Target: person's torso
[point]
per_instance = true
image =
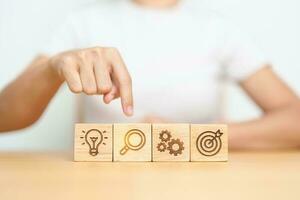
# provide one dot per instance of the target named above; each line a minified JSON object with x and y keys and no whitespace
{"x":172,"y":57}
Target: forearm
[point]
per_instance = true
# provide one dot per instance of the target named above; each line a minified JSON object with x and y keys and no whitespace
{"x":275,"y":130}
{"x":23,"y":101}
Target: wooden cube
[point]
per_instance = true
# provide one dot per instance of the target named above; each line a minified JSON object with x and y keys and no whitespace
{"x":132,"y":142}
{"x":93,"y":142}
{"x":209,"y":142}
{"x":171,"y":142}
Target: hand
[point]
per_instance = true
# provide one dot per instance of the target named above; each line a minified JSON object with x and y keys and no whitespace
{"x":96,"y":71}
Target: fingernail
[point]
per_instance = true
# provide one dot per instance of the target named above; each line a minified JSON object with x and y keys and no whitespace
{"x":129,"y":110}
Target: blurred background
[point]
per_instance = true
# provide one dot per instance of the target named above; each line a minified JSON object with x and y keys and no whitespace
{"x":26,"y":26}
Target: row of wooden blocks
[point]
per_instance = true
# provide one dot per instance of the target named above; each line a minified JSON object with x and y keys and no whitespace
{"x":150,"y":142}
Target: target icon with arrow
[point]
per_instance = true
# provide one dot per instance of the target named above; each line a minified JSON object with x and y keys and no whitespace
{"x":209,"y":143}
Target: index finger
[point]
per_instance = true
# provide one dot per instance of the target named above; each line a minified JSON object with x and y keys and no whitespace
{"x":124,"y":83}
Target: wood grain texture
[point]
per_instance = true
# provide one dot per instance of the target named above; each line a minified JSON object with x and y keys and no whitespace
{"x":209,"y":142}
{"x":87,"y":150}
{"x":132,"y":142}
{"x":248,"y":175}
{"x":166,"y":139}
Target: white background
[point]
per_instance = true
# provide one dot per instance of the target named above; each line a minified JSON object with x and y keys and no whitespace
{"x":25,"y":26}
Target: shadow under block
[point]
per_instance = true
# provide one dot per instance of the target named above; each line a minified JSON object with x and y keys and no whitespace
{"x":171,"y":142}
{"x":209,"y":142}
{"x":132,"y":142}
{"x":93,"y":142}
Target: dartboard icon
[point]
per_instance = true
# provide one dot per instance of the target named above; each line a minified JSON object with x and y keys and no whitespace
{"x":209,"y":143}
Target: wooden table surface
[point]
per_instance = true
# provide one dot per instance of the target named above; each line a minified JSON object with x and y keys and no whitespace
{"x":247,"y":175}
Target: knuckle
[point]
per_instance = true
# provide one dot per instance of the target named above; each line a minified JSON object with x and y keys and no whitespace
{"x":85,"y":65}
{"x":77,"y":55}
{"x":81,"y":55}
{"x":112,"y":51}
{"x":66,"y":63}
{"x":67,"y":70}
{"x":97,"y":51}
{"x":66,"y":60}
{"x":94,"y":54}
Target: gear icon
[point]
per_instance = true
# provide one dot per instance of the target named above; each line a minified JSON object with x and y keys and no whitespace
{"x":161,"y":147}
{"x":175,"y":147}
{"x":165,"y":136}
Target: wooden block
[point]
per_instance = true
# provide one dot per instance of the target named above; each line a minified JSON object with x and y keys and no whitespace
{"x":171,"y":142}
{"x":93,"y":142}
{"x":132,"y":142}
{"x":209,"y":142}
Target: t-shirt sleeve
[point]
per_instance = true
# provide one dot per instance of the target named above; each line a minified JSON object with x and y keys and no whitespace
{"x":241,"y":56}
{"x":66,"y":37}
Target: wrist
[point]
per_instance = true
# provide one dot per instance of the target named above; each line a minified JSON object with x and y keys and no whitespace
{"x":50,"y":71}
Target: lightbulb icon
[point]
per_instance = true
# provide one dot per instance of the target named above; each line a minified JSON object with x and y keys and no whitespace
{"x":94,"y":138}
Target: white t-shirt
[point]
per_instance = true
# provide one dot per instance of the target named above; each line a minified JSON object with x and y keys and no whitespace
{"x":177,"y":58}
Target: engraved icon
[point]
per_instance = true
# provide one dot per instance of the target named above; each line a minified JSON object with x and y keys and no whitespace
{"x":94,"y":138}
{"x":175,"y":146}
{"x":134,"y":140}
{"x":209,"y":143}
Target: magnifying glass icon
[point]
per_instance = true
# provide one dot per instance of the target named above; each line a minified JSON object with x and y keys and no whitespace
{"x":130,"y":142}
